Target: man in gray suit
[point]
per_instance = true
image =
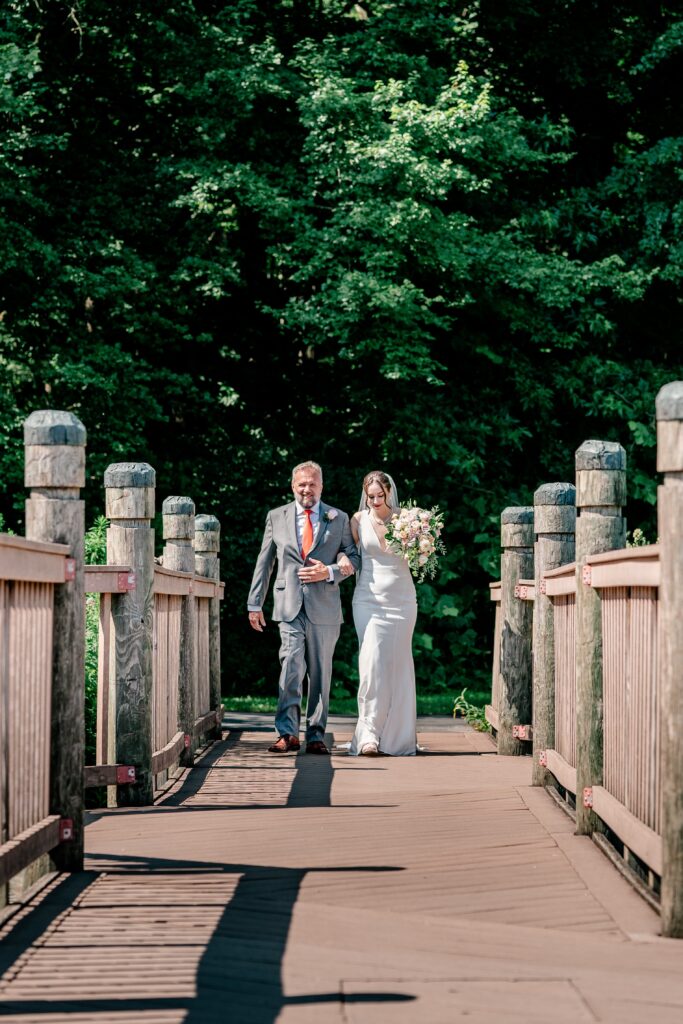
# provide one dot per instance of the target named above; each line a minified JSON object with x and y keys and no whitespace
{"x":307,"y":606}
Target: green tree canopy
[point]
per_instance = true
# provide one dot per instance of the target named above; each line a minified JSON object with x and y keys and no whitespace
{"x":443,"y":238}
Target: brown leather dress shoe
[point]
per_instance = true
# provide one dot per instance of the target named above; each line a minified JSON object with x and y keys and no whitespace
{"x":284,"y":745}
{"x":316,"y":747}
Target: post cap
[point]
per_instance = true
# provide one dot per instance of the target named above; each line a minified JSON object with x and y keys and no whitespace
{"x":605,"y":455}
{"x":129,"y":474}
{"x":517,"y":514}
{"x":206,"y":524}
{"x":177,"y":506}
{"x":669,"y":401}
{"x":53,"y":426}
{"x":555,"y":494}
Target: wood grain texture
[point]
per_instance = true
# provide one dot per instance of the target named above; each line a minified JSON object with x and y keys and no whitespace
{"x":515,"y":691}
{"x":62,"y":521}
{"x":178,"y":525}
{"x":436,"y":888}
{"x":600,"y":492}
{"x":554,"y":525}
{"x":670,"y":513}
{"x":132,"y":615}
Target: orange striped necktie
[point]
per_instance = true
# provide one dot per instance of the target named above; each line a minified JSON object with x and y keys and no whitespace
{"x":307,"y":534}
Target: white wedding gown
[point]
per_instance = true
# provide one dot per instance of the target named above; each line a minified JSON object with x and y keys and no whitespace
{"x":384,"y":612}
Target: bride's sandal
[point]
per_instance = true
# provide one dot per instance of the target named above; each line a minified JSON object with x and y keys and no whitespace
{"x":369,"y":750}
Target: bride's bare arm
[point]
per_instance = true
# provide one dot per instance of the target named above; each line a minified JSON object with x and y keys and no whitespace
{"x":345,"y":565}
{"x":354,"y":528}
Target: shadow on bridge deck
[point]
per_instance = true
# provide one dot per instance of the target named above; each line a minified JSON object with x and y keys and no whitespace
{"x":301,"y":889}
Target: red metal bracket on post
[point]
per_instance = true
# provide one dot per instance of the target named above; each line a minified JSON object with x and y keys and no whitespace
{"x":517,"y":590}
{"x":66,"y":830}
{"x":543,"y":759}
{"x":188,"y":741}
{"x":522,"y":732}
{"x":125,"y":581}
{"x":124,"y":774}
{"x":543,"y":587}
{"x":586,"y":575}
{"x":69,"y":569}
{"x":588,"y":797}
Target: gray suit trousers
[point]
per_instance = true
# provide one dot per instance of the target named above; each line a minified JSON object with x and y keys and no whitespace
{"x":306,"y":650}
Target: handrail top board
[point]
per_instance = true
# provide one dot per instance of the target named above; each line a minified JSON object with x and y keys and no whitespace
{"x":163,"y":571}
{"x":9,"y":540}
{"x":647,"y":551}
{"x":33,"y":561}
{"x":174,"y":582}
{"x":563,"y":570}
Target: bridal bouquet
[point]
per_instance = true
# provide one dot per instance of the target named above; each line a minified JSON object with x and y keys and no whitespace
{"x":413,"y":533}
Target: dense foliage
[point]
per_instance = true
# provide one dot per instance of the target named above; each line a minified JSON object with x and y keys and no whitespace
{"x":442,"y":238}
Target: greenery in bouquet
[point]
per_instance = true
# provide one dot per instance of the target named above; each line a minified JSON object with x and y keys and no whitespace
{"x":414,"y":534}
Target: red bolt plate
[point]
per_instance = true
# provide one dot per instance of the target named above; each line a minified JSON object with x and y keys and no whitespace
{"x":543,"y":759}
{"x":124,"y":774}
{"x":187,"y":741}
{"x":66,"y":830}
{"x":69,"y":569}
{"x":543,"y":586}
{"x":588,"y":796}
{"x":586,"y":575}
{"x":125,"y":581}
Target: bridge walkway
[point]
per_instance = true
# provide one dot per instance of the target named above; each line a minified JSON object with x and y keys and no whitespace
{"x":351,"y":890}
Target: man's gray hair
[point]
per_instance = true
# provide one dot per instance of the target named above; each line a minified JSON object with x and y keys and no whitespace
{"x":308,"y":465}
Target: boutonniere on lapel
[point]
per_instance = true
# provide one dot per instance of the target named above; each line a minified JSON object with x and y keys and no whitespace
{"x":330,"y":515}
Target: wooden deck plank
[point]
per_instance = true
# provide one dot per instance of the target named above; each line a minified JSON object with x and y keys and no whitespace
{"x":432,"y":888}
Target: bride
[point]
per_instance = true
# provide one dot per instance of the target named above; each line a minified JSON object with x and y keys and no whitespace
{"x":384,"y":613}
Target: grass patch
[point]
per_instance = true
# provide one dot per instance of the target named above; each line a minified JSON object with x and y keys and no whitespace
{"x":427,"y":704}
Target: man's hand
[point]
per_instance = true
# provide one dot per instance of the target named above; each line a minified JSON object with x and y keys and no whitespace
{"x":345,"y":566}
{"x":257,"y":621}
{"x":315,"y":572}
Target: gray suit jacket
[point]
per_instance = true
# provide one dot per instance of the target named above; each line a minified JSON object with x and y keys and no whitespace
{"x":320,"y":600}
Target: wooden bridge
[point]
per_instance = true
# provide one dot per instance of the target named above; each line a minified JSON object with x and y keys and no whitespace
{"x":222,"y":883}
{"x":438,"y":888}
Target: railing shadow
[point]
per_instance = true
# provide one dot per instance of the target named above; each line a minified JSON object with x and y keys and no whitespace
{"x":239,"y":976}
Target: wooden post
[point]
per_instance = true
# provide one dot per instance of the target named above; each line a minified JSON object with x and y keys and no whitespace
{"x":517,"y":562}
{"x":130,"y":541}
{"x":207,"y":531}
{"x":55,"y":472}
{"x":178,"y":526}
{"x":600,"y":494}
{"x":670,"y":519}
{"x":555,"y":527}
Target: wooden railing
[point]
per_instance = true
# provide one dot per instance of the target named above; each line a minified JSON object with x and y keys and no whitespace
{"x":29,"y":574}
{"x":628,"y":801}
{"x":607,"y":715}
{"x":560,"y":586}
{"x":158,"y":696}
